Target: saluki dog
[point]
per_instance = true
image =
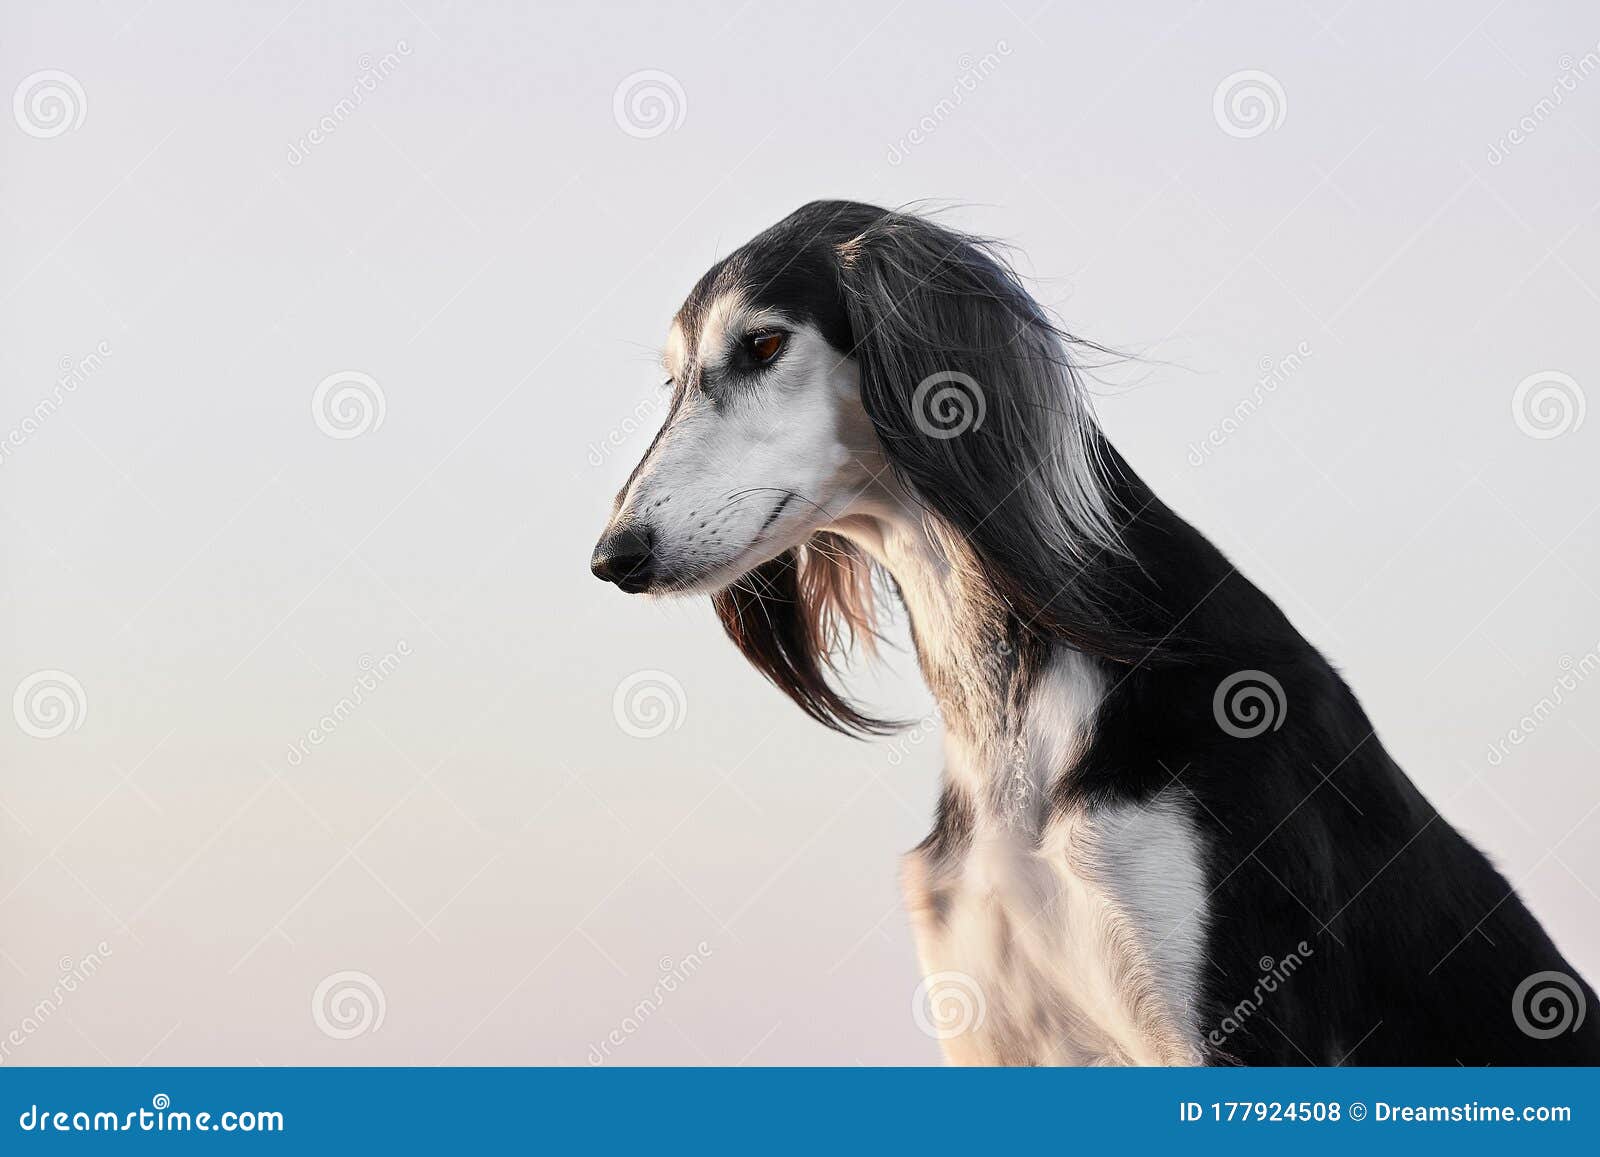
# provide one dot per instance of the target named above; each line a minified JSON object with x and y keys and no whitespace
{"x":1167,"y":833}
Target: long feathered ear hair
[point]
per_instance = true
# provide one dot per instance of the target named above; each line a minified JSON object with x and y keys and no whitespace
{"x":798,"y":617}
{"x":981,"y":414}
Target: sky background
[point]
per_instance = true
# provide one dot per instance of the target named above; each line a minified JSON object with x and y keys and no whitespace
{"x":353,"y":381}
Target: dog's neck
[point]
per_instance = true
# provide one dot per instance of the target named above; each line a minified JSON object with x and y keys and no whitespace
{"x":1016,"y":712}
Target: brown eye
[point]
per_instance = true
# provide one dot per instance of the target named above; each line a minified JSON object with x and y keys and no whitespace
{"x":765,"y":346}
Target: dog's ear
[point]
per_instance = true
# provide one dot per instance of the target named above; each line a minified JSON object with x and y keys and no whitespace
{"x":798,"y":617}
{"x":969,"y":387}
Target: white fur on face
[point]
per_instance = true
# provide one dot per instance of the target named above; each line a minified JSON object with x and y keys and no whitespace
{"x":737,"y":480}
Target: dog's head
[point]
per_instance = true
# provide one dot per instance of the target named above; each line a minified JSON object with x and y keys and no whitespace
{"x":766,"y":440}
{"x":847,"y":361}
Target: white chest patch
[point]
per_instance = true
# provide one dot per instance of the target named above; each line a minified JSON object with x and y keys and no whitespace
{"x":1083,"y":948}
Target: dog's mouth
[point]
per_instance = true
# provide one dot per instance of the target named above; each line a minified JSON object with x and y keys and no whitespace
{"x":629,"y":585}
{"x":715,"y":576}
{"x":630,"y":560}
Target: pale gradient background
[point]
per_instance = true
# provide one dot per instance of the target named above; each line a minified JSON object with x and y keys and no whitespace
{"x":481,"y":838}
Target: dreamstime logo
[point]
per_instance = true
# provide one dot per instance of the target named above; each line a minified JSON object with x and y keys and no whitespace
{"x":1273,"y":375}
{"x":947,"y":404}
{"x":49,"y":103}
{"x":1248,"y":704}
{"x":643,"y":415}
{"x":73,"y":375}
{"x":373,"y":73}
{"x":649,"y":103}
{"x":973,"y":73}
{"x":995,"y":663}
{"x":673,"y":974}
{"x":73,"y":973}
{"x":913,"y":737}
{"x":348,"y":1004}
{"x":1566,"y":82}
{"x":1548,"y":404}
{"x":948,"y":1004}
{"x":1249,"y":103}
{"x":372,"y":674}
{"x":1548,"y":1004}
{"x":49,"y":703}
{"x":1573,"y":673}
{"x":1274,"y":973}
{"x":649,"y":703}
{"x":348,"y":404}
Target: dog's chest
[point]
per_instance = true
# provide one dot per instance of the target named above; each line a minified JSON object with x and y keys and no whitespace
{"x":1082,"y":947}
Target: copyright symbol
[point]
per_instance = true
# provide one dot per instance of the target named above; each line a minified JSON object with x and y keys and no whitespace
{"x":1358,"y":1111}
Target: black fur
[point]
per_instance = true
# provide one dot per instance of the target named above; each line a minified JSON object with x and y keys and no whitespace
{"x":1419,"y":945}
{"x":1416,"y":944}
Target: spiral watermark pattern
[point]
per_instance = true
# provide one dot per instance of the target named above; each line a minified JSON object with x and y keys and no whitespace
{"x":947,"y":404}
{"x":1548,"y":404}
{"x":348,"y":1004}
{"x":348,"y":404}
{"x":1249,"y":103}
{"x":649,"y":103}
{"x":649,"y":703}
{"x":49,"y":103}
{"x":948,"y":1004}
{"x":49,"y":703}
{"x":1548,"y":1004}
{"x":1248,"y":704}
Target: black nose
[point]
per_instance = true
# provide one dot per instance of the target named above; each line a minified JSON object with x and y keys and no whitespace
{"x":623,"y":557}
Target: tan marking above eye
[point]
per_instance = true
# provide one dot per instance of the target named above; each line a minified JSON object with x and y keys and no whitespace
{"x":674,"y":357}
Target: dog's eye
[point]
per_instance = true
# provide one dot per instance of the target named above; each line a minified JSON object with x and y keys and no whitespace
{"x":764,"y":347}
